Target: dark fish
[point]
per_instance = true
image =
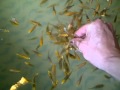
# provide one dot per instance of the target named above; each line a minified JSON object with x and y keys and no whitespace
{"x":54,"y":10}
{"x":79,"y":81}
{"x":26,"y":52}
{"x":34,"y":81}
{"x":106,"y":76}
{"x":71,"y":56}
{"x":81,"y":1}
{"x":68,"y":7}
{"x":49,"y":58}
{"x":38,"y":46}
{"x":88,"y":19}
{"x":37,"y":53}
{"x":33,"y":38}
{"x":66,"y":78}
{"x":36,"y":23}
{"x":97,"y":86}
{"x":43,"y":1}
{"x":82,"y":65}
{"x":115,"y":19}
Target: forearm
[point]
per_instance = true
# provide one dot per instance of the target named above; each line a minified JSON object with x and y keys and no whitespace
{"x":112,"y":66}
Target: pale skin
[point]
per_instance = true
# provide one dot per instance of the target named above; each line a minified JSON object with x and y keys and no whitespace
{"x":97,"y":42}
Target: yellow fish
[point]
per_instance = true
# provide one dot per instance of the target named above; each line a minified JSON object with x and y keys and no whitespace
{"x":23,"y":56}
{"x":32,"y":29}
{"x":29,"y":64}
{"x":14,"y":21}
{"x":41,"y":41}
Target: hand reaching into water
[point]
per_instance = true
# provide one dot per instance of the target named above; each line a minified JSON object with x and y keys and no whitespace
{"x":97,"y":42}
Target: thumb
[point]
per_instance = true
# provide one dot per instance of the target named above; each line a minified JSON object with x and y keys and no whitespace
{"x":79,"y":44}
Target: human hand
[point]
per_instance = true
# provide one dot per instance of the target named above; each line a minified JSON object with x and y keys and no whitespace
{"x":97,"y":42}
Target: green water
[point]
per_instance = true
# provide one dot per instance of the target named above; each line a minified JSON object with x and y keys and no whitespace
{"x":24,"y":11}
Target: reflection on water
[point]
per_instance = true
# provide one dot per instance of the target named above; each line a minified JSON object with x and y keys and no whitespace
{"x":15,"y":39}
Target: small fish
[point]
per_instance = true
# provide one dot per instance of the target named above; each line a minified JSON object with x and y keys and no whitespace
{"x":29,"y":64}
{"x":88,"y":19}
{"x":97,"y":86}
{"x":37,"y":53}
{"x":115,"y":19}
{"x":41,"y":41}
{"x":14,"y":21}
{"x":33,"y":38}
{"x":32,"y":29}
{"x":14,"y":70}
{"x":106,"y":76}
{"x":49,"y":58}
{"x":79,"y":21}
{"x":53,"y":71}
{"x":50,"y":75}
{"x":36,"y":23}
{"x":38,"y":46}
{"x":60,"y":63}
{"x":77,"y":56}
{"x":82,"y":64}
{"x":79,"y":81}
{"x":26,"y":52}
{"x":70,"y":13}
{"x":103,"y":12}
{"x":96,"y":10}
{"x":109,"y":2}
{"x":63,"y":35}
{"x":54,"y":10}
{"x":95,"y":69}
{"x":71,"y":56}
{"x":81,"y":1}
{"x":58,"y":55}
{"x":59,"y":43}
{"x":43,"y":1}
{"x":23,"y":56}
{"x":34,"y":81}
{"x":66,"y":68}
{"x":66,"y":78}
{"x":48,"y":30}
{"x":68,"y":7}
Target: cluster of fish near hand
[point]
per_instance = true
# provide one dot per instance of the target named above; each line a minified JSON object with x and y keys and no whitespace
{"x":61,"y":35}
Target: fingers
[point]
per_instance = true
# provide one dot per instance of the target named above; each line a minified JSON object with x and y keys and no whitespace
{"x":81,"y":32}
{"x":78,"y":44}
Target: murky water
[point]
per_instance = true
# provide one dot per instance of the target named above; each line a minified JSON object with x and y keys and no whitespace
{"x":18,"y":38}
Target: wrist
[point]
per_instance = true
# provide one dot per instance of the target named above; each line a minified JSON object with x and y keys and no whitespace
{"x":112,"y":64}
